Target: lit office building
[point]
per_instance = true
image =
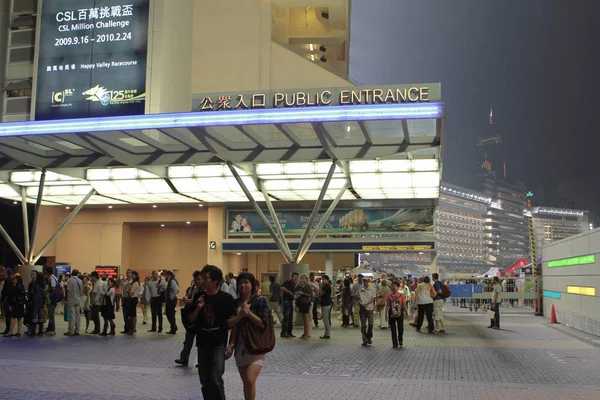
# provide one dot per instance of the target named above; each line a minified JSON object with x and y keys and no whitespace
{"x":461,"y":230}
{"x":507,"y":229}
{"x":552,"y":224}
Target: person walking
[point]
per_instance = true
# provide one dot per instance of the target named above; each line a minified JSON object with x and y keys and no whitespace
{"x":384,"y":291}
{"x":438,"y":304}
{"x":275,"y":298}
{"x":367,"y":295}
{"x":396,"y":311}
{"x":125,"y":284}
{"x":16,"y":303}
{"x":108,"y":308}
{"x":55,"y":292}
{"x":497,"y":289}
{"x":424,"y":296}
{"x":7,"y":289}
{"x":74,"y":293}
{"x":252,"y":309}
{"x":326,"y":304}
{"x":288,"y":288}
{"x":213,"y":316}
{"x":171,"y":301}
{"x":193,"y":294}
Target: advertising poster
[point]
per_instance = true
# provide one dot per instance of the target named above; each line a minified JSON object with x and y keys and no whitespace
{"x":92,"y":58}
{"x":410,"y":219}
{"x":62,"y":269}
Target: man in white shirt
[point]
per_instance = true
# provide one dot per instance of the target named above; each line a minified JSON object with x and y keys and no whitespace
{"x":156,"y":286}
{"x":171,"y":301}
{"x":367,"y":295}
{"x":97,"y":295}
{"x":495,"y":322}
{"x":74,"y":294}
{"x":232,"y":283}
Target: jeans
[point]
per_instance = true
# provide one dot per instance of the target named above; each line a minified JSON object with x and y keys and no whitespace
{"x":125,"y":306}
{"x":397,"y":327}
{"x":51,"y":323}
{"x":156,"y":310}
{"x":275,"y":307}
{"x":96,"y":318}
{"x":75,"y":318}
{"x":170,"y":310}
{"x":326,"y":313}
{"x":288,"y":318}
{"x":366,"y":317}
{"x":425,"y":309}
{"x":117,"y":301}
{"x":187,"y":345}
{"x":211,"y":366}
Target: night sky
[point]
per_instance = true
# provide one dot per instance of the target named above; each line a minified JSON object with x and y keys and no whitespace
{"x":536,"y":61}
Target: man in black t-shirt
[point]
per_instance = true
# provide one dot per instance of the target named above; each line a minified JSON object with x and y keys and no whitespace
{"x":288,"y":288}
{"x":326,"y":303}
{"x":214,"y":315}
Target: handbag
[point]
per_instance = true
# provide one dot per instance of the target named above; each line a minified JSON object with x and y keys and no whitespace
{"x":68,"y":314}
{"x":257,"y":341}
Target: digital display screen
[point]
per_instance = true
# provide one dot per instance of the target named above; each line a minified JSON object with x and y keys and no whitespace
{"x":92,"y":58}
{"x":111,"y":272}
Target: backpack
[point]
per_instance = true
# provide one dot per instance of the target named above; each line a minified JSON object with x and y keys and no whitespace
{"x":396,"y":308}
{"x":445,"y":291}
{"x":59,"y":294}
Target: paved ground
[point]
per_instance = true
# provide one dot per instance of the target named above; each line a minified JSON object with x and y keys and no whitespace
{"x":527,"y":359}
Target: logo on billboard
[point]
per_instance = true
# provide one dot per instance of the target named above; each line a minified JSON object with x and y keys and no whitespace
{"x":106,"y":97}
{"x":59,"y":98}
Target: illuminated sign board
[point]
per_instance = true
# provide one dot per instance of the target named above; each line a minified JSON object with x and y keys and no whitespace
{"x":341,"y":96}
{"x":111,"y":272}
{"x":582,"y":290}
{"x":552,"y":295}
{"x":91,"y":59}
{"x":417,"y":247}
{"x":568,"y":262}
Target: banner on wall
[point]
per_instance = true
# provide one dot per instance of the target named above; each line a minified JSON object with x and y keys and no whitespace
{"x":91,"y":58}
{"x":413,"y":221}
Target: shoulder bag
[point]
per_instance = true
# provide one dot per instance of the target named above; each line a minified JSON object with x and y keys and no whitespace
{"x":259,"y":341}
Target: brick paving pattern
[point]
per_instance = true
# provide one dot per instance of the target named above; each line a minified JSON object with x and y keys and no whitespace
{"x":527,"y":359}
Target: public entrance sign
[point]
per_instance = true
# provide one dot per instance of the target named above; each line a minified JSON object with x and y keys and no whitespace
{"x":91,"y":58}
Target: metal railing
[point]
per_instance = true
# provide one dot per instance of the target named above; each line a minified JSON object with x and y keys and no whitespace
{"x":316,"y":61}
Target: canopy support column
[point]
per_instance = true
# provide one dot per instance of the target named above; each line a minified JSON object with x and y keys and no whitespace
{"x":284,"y":249}
{"x":25,"y":219}
{"x":63,"y":225}
{"x":12,"y":245}
{"x":36,"y":216}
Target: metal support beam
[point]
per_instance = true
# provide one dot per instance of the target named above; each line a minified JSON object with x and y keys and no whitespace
{"x":286,"y":250}
{"x":12,"y":245}
{"x":62,"y":226}
{"x":36,"y":216}
{"x":332,"y":206}
{"x":260,"y":212}
{"x":25,"y":219}
{"x":316,"y":209}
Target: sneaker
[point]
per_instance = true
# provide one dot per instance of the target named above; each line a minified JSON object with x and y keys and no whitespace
{"x":491,"y":326}
{"x":76,"y":334}
{"x":325,"y":337}
{"x":69,"y":334}
{"x":285,"y":335}
{"x":369,"y":341}
{"x":50,"y":333}
{"x":395,"y":346}
{"x":364,"y":345}
{"x":400,"y":344}
{"x":291,"y":335}
{"x":179,"y":361}
{"x":496,"y":328}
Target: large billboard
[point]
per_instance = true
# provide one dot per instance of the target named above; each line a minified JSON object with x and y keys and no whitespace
{"x":91,"y":58}
{"x":413,"y":221}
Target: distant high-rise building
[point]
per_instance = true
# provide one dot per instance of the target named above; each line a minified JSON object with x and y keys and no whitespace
{"x":551,"y":224}
{"x":507,"y":229}
{"x":490,"y":150}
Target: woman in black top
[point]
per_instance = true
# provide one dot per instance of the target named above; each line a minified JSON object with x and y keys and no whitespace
{"x":346,"y":303}
{"x":37,"y":291}
{"x":16,"y":303}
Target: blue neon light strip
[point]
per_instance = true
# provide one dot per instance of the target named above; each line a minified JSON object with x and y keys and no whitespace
{"x":552,"y":295}
{"x":225,"y":118}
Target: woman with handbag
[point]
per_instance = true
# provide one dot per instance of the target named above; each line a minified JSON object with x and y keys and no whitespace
{"x":254,"y":319}
{"x":304,"y":295}
{"x":108,"y":309}
{"x":424,"y":295}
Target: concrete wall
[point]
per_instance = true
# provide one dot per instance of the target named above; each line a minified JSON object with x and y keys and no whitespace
{"x":579,"y":311}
